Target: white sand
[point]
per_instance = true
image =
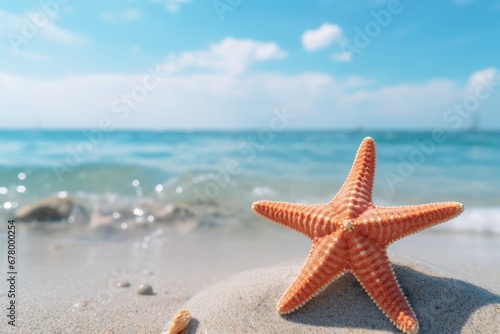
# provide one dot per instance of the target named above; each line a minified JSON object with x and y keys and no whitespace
{"x":246,"y":303}
{"x":51,"y":280}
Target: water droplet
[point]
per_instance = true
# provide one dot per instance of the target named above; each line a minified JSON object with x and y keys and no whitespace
{"x":7,"y":205}
{"x":62,"y":194}
{"x":159,"y":188}
{"x":21,"y":176}
{"x":138,"y":212}
{"x":3,"y":191}
{"x":178,"y":190}
{"x":21,"y":189}
{"x":136,"y":183}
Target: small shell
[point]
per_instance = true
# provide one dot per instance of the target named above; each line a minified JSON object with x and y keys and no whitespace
{"x":180,"y":322}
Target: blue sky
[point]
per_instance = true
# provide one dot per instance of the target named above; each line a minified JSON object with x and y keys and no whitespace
{"x":227,"y":64}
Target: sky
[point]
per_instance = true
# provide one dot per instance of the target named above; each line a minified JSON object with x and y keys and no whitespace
{"x":236,"y":64}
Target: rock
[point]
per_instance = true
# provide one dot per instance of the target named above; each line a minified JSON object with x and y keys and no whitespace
{"x":48,"y":209}
{"x":246,"y":303}
{"x":122,"y":284}
{"x":144,"y":289}
{"x":80,"y":303}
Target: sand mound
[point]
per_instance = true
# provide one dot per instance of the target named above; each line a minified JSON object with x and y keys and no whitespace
{"x":246,"y":303}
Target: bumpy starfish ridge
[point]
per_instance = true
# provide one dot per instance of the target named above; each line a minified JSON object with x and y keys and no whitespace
{"x":351,"y":234}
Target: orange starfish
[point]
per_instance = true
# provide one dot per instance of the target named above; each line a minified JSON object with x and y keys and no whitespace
{"x":351,"y":234}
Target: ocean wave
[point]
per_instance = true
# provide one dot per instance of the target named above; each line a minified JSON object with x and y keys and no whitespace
{"x":474,"y":220}
{"x":206,"y":179}
{"x":192,"y":209}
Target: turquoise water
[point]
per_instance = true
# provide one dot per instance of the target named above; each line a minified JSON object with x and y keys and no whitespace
{"x":217,"y":175}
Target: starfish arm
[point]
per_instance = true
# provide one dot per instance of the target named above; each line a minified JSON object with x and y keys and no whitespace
{"x":308,"y":219}
{"x":326,"y":262}
{"x":356,"y":193}
{"x":388,"y":224}
{"x":370,"y":264}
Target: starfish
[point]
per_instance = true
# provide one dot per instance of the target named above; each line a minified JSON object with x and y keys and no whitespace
{"x":351,"y":234}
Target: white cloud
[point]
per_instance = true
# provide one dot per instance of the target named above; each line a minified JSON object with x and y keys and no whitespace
{"x":214,"y":88}
{"x":35,"y":56}
{"x":230,"y":55}
{"x":322,"y":37}
{"x":16,"y":24}
{"x":227,"y":100}
{"x":8,"y":21}
{"x":172,"y":6}
{"x":132,"y":14}
{"x":406,"y":104}
{"x":62,"y":36}
{"x":479,"y":78}
{"x":175,"y":5}
{"x":342,"y":57}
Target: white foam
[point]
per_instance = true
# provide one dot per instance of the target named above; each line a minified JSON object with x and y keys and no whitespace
{"x":259,"y":191}
{"x":475,"y":220}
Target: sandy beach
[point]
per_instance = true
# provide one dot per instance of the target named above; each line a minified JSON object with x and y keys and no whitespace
{"x":132,"y":242}
{"x":68,"y":283}
{"x":241,"y":304}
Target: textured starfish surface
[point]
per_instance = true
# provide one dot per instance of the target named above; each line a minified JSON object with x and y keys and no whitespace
{"x":350,"y":233}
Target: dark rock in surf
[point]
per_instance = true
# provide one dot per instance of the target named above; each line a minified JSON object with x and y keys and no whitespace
{"x":47,"y":209}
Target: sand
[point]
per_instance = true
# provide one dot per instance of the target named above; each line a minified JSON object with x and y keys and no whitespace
{"x":246,"y":303}
{"x":67,"y":282}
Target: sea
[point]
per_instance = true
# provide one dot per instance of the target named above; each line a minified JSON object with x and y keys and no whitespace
{"x":123,"y":180}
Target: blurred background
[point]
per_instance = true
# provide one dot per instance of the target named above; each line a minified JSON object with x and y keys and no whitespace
{"x":130,"y":113}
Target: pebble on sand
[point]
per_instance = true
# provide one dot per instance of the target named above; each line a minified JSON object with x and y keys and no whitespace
{"x":80,"y":304}
{"x":123,"y":284}
{"x":144,"y":289}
